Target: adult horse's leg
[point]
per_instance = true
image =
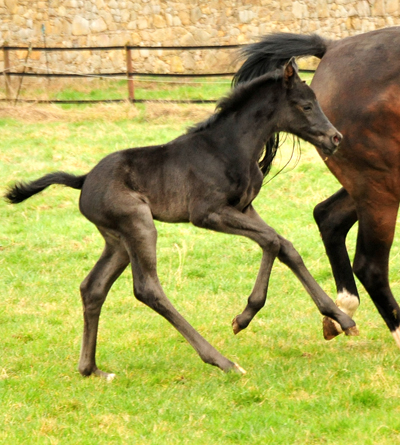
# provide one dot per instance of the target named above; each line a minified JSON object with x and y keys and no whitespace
{"x":94,"y":290}
{"x":140,"y":237}
{"x":249,"y":224}
{"x":371,"y":264}
{"x":335,"y":217}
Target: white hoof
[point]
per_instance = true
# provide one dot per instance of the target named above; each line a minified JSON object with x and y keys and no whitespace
{"x":110,"y":377}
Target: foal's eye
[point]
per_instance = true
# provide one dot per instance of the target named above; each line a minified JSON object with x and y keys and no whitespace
{"x":307,"y":108}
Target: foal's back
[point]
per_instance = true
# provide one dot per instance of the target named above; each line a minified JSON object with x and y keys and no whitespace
{"x":166,"y":177}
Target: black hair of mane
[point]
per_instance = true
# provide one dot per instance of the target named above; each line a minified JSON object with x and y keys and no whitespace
{"x":274,"y":50}
{"x":268,"y":154}
{"x":235,"y":100}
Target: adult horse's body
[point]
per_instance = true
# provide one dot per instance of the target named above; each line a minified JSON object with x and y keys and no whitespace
{"x":358,"y":86}
{"x":209,"y":177}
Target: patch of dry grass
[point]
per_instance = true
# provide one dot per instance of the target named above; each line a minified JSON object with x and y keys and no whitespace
{"x":158,"y":113}
{"x":36,"y":113}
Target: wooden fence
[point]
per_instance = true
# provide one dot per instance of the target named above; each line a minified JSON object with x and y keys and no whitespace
{"x":129,"y":74}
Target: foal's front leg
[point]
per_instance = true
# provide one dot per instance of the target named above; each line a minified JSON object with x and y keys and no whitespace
{"x":289,"y":256}
{"x":249,"y":224}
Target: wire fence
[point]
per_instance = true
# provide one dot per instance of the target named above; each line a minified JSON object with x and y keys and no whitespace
{"x":129,"y":74}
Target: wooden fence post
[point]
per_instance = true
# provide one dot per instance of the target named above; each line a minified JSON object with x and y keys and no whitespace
{"x":23,"y":72}
{"x":129,"y":67}
{"x":6,"y":70}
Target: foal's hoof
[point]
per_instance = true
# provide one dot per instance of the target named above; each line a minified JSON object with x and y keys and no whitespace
{"x":353,"y":331}
{"x":235,"y":326}
{"x":330,"y":329}
{"x":238,"y":369}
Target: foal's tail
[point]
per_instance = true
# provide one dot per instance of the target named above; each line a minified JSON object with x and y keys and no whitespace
{"x":24,"y":190}
{"x":275,"y":50}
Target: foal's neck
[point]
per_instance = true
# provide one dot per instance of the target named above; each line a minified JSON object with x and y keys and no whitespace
{"x":253,"y":124}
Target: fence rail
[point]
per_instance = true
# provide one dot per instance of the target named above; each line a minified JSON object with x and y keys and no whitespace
{"x":129,"y":74}
{"x":109,"y":48}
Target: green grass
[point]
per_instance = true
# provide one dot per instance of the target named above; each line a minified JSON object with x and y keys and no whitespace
{"x":298,"y":388}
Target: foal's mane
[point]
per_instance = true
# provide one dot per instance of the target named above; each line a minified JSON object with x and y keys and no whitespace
{"x":234,"y":101}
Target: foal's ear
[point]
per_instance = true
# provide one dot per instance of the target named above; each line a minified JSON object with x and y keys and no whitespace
{"x":289,"y":73}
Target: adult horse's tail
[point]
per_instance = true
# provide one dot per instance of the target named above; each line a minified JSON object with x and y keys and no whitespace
{"x":275,"y":50}
{"x":24,"y":190}
{"x":270,"y":53}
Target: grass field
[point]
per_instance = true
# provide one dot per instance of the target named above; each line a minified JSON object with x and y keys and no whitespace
{"x":298,"y":388}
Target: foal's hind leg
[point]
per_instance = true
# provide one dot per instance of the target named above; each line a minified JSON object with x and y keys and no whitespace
{"x":94,"y":289}
{"x":140,"y":237}
{"x":335,"y":217}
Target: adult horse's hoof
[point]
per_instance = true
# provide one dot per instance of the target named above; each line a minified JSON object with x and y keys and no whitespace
{"x":235,"y":326}
{"x":108,"y":377}
{"x":353,"y":331}
{"x":330,"y":328}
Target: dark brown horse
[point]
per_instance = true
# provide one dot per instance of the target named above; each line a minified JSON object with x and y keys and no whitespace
{"x":209,"y":177}
{"x":358,"y":86}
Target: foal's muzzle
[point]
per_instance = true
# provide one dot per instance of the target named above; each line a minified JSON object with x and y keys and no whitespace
{"x":331,"y":142}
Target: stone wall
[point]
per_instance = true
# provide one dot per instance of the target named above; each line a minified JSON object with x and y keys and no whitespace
{"x":74,"y":23}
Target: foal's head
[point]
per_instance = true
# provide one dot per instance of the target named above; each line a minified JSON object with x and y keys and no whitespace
{"x":301,"y":114}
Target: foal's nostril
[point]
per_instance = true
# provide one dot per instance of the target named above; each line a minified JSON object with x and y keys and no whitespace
{"x":337,"y":139}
